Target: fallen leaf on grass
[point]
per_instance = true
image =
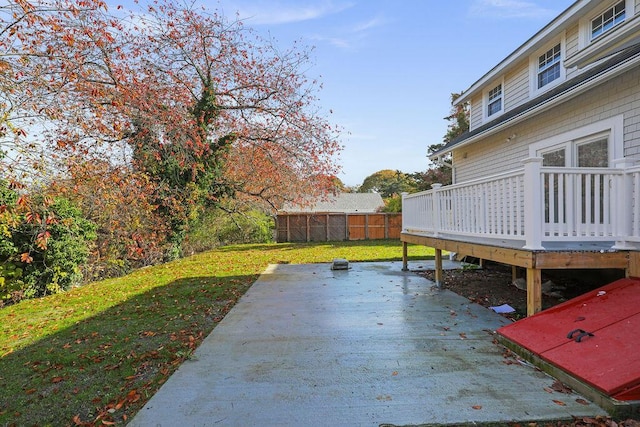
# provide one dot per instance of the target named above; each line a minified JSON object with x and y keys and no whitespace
{"x":77,"y":421}
{"x":477,"y":407}
{"x":133,"y":396}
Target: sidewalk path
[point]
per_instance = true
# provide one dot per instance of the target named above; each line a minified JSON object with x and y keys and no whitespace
{"x":308,"y":346}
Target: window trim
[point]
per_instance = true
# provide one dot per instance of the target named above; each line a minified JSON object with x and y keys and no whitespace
{"x":603,"y":32}
{"x":612,"y":128}
{"x":534,"y":66}
{"x":584,"y":37}
{"x":485,"y":100}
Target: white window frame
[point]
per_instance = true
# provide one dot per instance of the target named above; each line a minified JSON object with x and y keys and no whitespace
{"x":534,"y":63}
{"x":584,"y":37}
{"x":612,"y":129}
{"x":486,"y":102}
{"x":600,"y":15}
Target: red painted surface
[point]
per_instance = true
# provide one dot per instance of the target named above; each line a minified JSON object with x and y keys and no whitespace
{"x":631,"y":394}
{"x":610,"y":359}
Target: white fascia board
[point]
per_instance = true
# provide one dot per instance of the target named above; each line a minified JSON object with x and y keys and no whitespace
{"x":552,"y":29}
{"x":551,"y":102}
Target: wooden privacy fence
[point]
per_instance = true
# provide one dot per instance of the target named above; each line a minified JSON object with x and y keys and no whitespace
{"x":325,"y":227}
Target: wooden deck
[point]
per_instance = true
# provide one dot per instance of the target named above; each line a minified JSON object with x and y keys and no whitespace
{"x":534,"y":261}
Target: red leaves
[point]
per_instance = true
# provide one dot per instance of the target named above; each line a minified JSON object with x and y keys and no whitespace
{"x":42,"y":239}
{"x":133,"y":396}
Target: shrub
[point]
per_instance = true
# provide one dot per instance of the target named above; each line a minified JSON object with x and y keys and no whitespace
{"x":43,"y":244}
{"x":217,"y":228}
{"x":392,"y":204}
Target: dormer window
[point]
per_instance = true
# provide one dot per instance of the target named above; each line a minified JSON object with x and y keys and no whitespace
{"x":608,"y":19}
{"x":494,"y":101}
{"x":549,"y":66}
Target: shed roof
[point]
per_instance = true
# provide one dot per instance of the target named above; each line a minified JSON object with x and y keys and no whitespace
{"x":340,"y":203}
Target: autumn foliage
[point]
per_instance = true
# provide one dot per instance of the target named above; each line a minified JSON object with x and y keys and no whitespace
{"x":145,"y":117}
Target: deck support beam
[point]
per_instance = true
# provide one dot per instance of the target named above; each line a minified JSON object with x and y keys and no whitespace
{"x":534,"y":291}
{"x":405,"y":257}
{"x":439,"y":268}
{"x":534,"y":261}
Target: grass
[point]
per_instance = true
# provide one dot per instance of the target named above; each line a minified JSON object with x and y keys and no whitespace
{"x":96,"y":354}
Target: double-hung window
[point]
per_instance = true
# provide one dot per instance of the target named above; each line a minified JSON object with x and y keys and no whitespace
{"x":549,"y":66}
{"x":494,"y":101}
{"x":608,"y":19}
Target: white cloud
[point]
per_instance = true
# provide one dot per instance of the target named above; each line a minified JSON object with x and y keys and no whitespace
{"x":283,"y":12}
{"x":510,"y":9}
{"x":367,"y":25}
{"x":351,"y":36}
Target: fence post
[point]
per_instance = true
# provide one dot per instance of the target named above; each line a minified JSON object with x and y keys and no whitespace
{"x":623,"y":194}
{"x":436,"y":209}
{"x":533,"y":203}
{"x":386,"y":225}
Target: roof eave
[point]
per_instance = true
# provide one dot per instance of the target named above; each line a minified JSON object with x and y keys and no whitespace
{"x":542,"y":106}
{"x":526,"y":49}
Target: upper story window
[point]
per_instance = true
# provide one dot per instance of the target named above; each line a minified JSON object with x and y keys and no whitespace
{"x":608,"y":19}
{"x":494,"y":101}
{"x":549,"y":67}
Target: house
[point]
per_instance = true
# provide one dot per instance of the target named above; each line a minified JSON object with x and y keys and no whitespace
{"x":344,"y":216}
{"x":339,"y":203}
{"x":548,"y":175}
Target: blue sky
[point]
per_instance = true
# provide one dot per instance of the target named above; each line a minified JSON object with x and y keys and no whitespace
{"x":388,"y":67}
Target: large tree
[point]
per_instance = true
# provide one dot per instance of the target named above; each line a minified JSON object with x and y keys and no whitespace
{"x":387,"y":183}
{"x":200,"y":105}
{"x":440,"y":173}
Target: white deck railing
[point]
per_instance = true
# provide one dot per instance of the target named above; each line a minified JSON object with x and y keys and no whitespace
{"x":532,"y":205}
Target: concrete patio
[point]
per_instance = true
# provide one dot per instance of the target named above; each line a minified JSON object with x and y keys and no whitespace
{"x":368,"y":346}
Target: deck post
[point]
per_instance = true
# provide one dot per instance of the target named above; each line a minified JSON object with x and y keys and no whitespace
{"x":405,"y":258}
{"x":533,"y":202}
{"x":439,"y":268}
{"x":624,"y":217}
{"x":534,"y":291}
{"x":436,"y":209}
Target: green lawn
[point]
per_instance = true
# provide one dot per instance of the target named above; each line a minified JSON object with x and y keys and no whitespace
{"x":96,"y":354}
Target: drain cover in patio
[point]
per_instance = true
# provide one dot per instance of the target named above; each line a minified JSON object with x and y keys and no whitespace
{"x":594,"y":338}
